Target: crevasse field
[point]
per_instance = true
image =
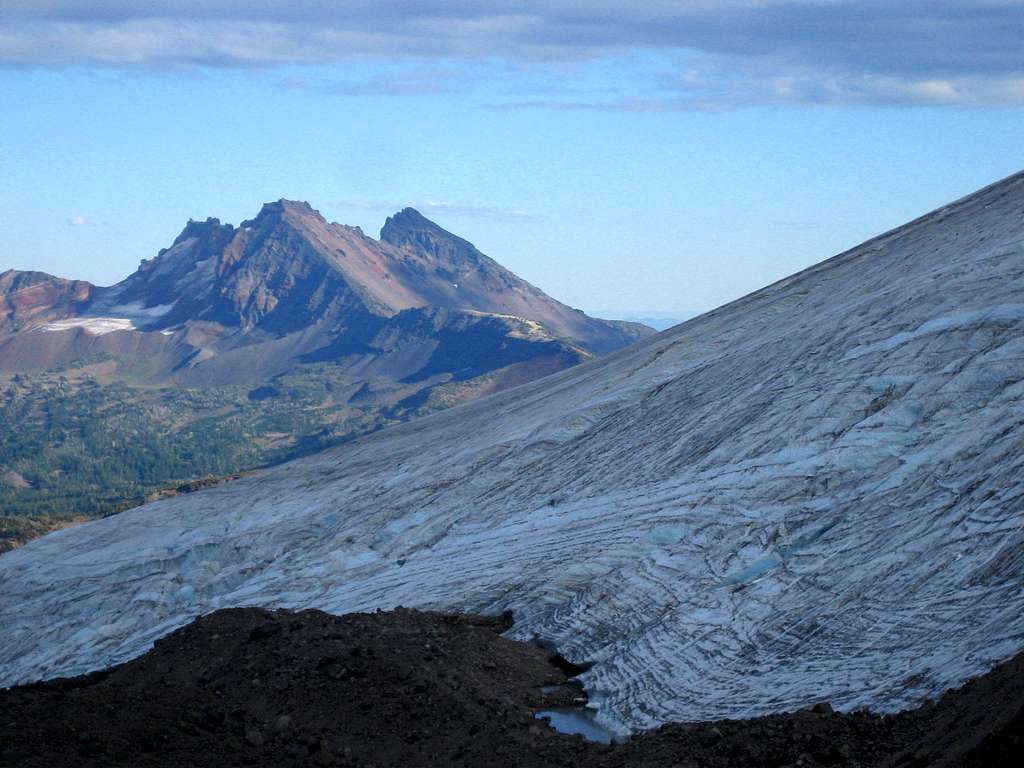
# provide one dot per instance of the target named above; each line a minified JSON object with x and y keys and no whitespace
{"x":813,"y":493}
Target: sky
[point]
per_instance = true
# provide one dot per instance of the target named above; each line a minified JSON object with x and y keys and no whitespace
{"x":658,"y":156}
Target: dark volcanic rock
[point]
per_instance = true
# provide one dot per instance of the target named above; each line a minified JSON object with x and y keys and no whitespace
{"x":255,"y":687}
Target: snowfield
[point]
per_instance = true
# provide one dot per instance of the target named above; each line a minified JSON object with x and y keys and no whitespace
{"x":97,"y":326}
{"x":813,"y":493}
{"x":121,"y":318}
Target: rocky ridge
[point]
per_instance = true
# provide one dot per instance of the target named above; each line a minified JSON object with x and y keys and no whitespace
{"x":283,"y":287}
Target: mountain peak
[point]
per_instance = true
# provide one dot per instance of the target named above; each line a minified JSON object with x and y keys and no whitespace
{"x":285,"y":208}
{"x":409,"y":227}
{"x":289,"y":269}
{"x":410,"y":217}
{"x":202,"y":230}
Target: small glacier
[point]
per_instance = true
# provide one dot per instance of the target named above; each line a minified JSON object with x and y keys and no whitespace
{"x":813,"y":493}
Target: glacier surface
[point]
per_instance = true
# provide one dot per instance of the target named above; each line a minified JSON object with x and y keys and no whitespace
{"x":813,"y":493}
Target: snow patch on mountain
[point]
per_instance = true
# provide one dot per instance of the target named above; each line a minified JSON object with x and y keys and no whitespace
{"x":96,"y":326}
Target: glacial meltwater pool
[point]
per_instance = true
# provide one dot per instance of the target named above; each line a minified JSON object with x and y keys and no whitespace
{"x":575,"y":720}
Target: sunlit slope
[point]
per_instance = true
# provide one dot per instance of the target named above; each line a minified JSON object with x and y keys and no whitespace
{"x":813,"y":493}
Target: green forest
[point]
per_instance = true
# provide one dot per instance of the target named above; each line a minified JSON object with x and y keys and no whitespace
{"x":73,"y":448}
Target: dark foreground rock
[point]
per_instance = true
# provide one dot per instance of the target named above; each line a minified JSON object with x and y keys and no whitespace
{"x":249,"y":687}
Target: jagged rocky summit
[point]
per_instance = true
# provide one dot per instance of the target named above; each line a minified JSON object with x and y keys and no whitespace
{"x":239,"y":305}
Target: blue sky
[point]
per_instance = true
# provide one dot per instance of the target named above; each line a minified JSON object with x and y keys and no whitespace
{"x":635,"y":160}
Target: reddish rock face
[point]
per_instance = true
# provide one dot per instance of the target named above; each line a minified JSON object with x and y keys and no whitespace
{"x":30,"y":297}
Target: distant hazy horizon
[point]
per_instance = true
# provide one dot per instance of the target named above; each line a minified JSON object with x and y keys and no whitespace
{"x":659,"y":320}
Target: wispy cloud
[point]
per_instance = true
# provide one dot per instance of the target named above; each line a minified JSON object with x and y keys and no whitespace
{"x":394,"y":81}
{"x":935,"y":52}
{"x":78,"y":221}
{"x":713,"y":86}
{"x":435,"y":207}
